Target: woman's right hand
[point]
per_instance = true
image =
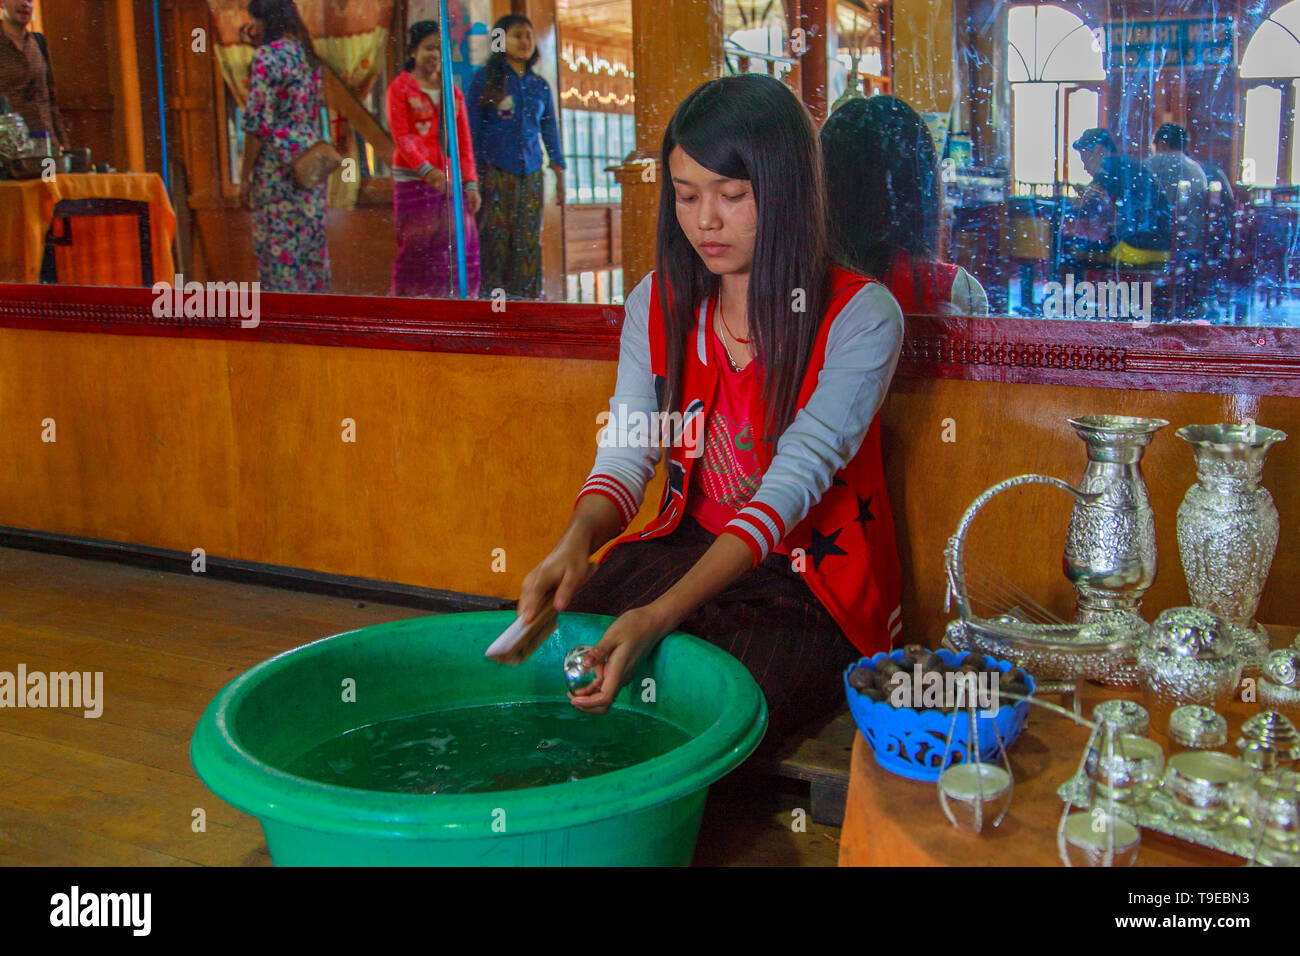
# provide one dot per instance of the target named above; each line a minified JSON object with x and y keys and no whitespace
{"x":564,"y":570}
{"x":437,"y":179}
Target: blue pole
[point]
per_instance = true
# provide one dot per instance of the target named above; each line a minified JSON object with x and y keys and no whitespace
{"x":453,"y":145}
{"x":162,"y":103}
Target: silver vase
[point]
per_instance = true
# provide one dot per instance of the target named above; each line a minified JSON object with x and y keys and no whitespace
{"x":1110,"y":544}
{"x":1228,"y":527}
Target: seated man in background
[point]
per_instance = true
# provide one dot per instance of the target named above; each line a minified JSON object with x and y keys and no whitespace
{"x":1183,"y":181}
{"x":1123,"y":218}
{"x":26,"y":78}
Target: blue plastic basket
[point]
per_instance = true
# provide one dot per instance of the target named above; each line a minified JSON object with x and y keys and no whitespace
{"x":910,"y":742}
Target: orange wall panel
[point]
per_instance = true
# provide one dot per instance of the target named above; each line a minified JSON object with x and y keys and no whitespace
{"x":238,"y":449}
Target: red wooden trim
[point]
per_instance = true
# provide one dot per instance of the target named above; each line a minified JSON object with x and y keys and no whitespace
{"x":546,"y":330}
{"x":1191,"y":358}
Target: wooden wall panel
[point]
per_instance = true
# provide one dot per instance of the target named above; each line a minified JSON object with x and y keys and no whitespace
{"x":236,"y":447}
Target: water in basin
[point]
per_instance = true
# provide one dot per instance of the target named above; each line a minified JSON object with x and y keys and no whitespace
{"x":487,"y":748}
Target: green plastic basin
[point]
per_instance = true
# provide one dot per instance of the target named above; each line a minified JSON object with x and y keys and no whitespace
{"x":646,"y":814}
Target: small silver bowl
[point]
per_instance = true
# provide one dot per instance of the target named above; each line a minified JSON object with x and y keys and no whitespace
{"x":1125,"y":716}
{"x":1205,"y":786}
{"x":1088,"y":837}
{"x":975,"y":796}
{"x":1129,"y":772}
{"x":1195,"y":727}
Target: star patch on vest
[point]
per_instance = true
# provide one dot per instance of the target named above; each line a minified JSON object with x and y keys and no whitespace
{"x":823,"y":545}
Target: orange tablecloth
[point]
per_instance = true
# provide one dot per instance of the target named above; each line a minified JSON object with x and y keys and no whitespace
{"x":105,"y":250}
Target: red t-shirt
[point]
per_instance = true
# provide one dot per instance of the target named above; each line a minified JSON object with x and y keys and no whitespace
{"x":729,"y":472}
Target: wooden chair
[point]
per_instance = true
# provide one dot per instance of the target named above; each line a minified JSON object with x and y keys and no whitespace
{"x":65,"y":210}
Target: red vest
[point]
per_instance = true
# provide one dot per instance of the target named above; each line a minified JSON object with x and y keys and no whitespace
{"x":846,"y":543}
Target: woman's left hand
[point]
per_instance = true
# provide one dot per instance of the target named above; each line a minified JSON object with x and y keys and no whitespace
{"x":473,"y":201}
{"x":632,"y":635}
{"x":559,"y":182}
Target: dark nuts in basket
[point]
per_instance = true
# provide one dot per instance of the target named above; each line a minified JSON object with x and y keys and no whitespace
{"x":860,"y":678}
{"x":888,"y":668}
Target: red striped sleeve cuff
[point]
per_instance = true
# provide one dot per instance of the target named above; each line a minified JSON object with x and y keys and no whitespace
{"x":760,"y":527}
{"x":615,"y":492}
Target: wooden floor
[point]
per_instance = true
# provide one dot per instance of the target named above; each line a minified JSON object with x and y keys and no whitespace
{"x":120,"y":791}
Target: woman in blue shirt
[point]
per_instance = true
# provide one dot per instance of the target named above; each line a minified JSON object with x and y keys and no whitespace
{"x":509,"y":106}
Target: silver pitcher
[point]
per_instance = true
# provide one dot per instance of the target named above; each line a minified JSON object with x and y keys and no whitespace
{"x":1110,"y":544}
{"x":1228,"y":527}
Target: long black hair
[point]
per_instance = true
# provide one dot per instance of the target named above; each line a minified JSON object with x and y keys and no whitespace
{"x":751,"y":127}
{"x":279,"y":20}
{"x":416,"y":35}
{"x":494,"y":90}
{"x":882,"y":185}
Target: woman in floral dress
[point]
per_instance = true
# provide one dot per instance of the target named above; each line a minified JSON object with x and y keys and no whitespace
{"x":281,"y":119}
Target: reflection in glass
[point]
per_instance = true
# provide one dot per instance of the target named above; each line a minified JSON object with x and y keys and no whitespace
{"x":1006,"y":91}
{"x":512,"y":112}
{"x":281,"y":122}
{"x":423,"y":181}
{"x":885,"y":202}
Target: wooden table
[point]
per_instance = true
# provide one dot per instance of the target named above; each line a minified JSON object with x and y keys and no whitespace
{"x":892,"y":821}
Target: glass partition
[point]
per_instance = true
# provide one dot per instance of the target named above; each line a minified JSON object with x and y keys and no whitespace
{"x":1096,"y":162}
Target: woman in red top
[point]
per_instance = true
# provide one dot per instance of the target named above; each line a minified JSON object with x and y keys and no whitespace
{"x":774,"y":539}
{"x":422,"y":207}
